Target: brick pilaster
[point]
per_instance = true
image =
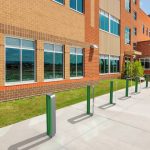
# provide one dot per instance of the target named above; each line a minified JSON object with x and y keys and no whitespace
{"x":39,"y":61}
{"x":67,"y":62}
{"x":2,"y":60}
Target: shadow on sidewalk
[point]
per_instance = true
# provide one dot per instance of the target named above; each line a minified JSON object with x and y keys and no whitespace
{"x":106,"y":106}
{"x":30,"y":143}
{"x":79,"y":118}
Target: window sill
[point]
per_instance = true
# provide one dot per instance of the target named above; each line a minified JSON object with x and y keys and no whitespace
{"x":62,"y":4}
{"x":109,"y":33}
{"x":76,"y":78}
{"x":76,"y":11}
{"x":53,"y":80}
{"x":109,"y":73}
{"x":19,"y":83}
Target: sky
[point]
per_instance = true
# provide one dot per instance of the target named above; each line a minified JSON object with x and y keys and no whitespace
{"x":145,"y":5}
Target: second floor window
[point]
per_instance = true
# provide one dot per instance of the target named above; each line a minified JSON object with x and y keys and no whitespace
{"x":77,"y":5}
{"x":104,"y":21}
{"x":127,"y":5}
{"x":134,"y":15}
{"x":134,"y":31}
{"x":143,"y":28}
{"x":114,"y":25}
{"x":127,"y":35}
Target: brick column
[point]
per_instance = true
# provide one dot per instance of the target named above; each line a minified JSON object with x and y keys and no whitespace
{"x":39,"y":61}
{"x":91,"y":62}
{"x":67,"y":62}
{"x":2,"y":60}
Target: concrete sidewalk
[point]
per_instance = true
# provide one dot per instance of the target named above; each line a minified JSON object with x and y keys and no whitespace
{"x":124,"y":126}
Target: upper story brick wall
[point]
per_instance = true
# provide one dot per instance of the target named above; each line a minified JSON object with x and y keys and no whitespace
{"x":44,"y":16}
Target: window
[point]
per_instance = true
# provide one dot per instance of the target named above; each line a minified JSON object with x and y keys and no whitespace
{"x":134,"y":31}
{"x":104,"y":21}
{"x":145,"y":63}
{"x":77,"y":5}
{"x":104,"y":64}
{"x":53,"y":61}
{"x":134,"y":46}
{"x":127,"y":5}
{"x":114,"y":64}
{"x":19,"y":60}
{"x":114,"y":25}
{"x":76,"y":62}
{"x":147,"y":31}
{"x":143,"y":28}
{"x":134,"y":15}
{"x":127,"y":35}
{"x":134,"y":1}
{"x":59,"y":1}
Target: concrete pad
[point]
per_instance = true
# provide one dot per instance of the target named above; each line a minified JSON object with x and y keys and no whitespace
{"x":124,"y":126}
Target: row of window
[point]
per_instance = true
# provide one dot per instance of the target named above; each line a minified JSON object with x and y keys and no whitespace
{"x":109,"y":23}
{"x":20,"y":61}
{"x":128,"y":4}
{"x":145,"y":63}
{"x":77,"y":5}
{"x":109,"y":64}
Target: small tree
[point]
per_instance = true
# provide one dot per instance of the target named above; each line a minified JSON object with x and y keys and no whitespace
{"x":134,"y":69}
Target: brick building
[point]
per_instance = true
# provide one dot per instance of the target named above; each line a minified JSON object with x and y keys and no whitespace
{"x":54,"y":45}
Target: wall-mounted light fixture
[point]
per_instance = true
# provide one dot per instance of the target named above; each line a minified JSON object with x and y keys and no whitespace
{"x":93,"y":46}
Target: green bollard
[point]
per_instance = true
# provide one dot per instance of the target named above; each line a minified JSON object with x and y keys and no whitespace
{"x":136,"y":85}
{"x":146,"y":81}
{"x":111,"y":92}
{"x":127,"y":88}
{"x":51,"y":115}
{"x":88,"y":99}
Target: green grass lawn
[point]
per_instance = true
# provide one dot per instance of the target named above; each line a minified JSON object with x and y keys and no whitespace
{"x":15,"y":111}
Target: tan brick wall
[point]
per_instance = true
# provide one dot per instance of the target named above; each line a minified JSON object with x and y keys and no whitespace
{"x":39,"y":61}
{"x":67,"y":62}
{"x":2,"y":57}
{"x":44,"y":16}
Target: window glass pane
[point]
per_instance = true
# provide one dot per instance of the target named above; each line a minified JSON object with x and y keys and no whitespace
{"x":79,"y":65}
{"x":73,"y":65}
{"x":102,"y":66}
{"x":48,"y":65}
{"x":49,"y":47}
{"x":13,"y":42}
{"x":60,"y":1}
{"x":12,"y":65}
{"x":72,"y":50}
{"x":104,"y":22}
{"x":27,"y":44}
{"x":147,"y":64}
{"x":59,"y":48}
{"x":58,"y":65}
{"x":73,"y":4}
{"x":106,"y":65}
{"x":79,"y":51}
{"x":114,"y":26}
{"x":80,"y":5}
{"x":27,"y":65}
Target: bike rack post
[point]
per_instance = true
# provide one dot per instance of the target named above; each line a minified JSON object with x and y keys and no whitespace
{"x":88,"y":99}
{"x":111,"y":91}
{"x":136,"y":85}
{"x":51,"y":115}
{"x":127,"y":88}
{"x":147,"y":81}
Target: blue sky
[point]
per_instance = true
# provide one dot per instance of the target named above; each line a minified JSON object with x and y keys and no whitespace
{"x":145,"y":5}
